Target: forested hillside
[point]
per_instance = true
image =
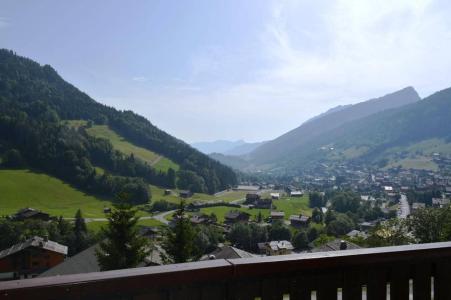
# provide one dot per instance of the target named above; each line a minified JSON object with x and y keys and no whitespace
{"x":34,"y":101}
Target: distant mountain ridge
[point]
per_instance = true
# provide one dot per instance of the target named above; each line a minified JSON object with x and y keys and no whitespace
{"x":225,"y":147}
{"x":280,"y":148}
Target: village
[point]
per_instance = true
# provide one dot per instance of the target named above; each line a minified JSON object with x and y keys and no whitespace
{"x":309,"y":215}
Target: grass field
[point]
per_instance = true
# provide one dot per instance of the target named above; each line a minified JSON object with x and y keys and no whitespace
{"x":158,"y":194}
{"x":24,"y":188}
{"x":122,"y":145}
{"x":417,"y":163}
{"x":293,"y":206}
{"x":221,"y":211}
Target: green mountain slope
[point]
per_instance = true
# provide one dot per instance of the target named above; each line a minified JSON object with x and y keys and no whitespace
{"x":274,"y":151}
{"x":424,"y":125}
{"x":24,"y":188}
{"x":158,"y":162}
{"x":33,"y":101}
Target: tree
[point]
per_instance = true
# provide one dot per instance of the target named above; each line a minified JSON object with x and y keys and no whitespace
{"x":312,"y":234}
{"x":393,"y":232}
{"x":317,"y":215}
{"x":300,"y":240}
{"x":431,"y":225}
{"x":345,"y":202}
{"x":340,"y":226}
{"x":13,"y":159}
{"x":123,"y":247}
{"x":179,"y":241}
{"x":279,"y":232}
{"x":80,"y":239}
{"x":259,"y":217}
{"x":316,"y":200}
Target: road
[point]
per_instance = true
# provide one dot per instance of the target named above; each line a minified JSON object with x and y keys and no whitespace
{"x":161,"y":217}
{"x":404,"y":208}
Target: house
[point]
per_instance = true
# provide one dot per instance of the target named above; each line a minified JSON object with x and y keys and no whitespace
{"x":275,"y":196}
{"x":106,"y":210}
{"x":296,"y":194}
{"x":277,"y":215}
{"x":167,"y":192}
{"x":278,"y":248}
{"x":357,"y":234}
{"x":263,"y":203}
{"x":251,"y":198}
{"x":417,"y":205}
{"x":299,"y":221}
{"x":227,"y":252}
{"x":236,"y":216}
{"x":150,"y":232}
{"x":185,"y":194}
{"x":30,"y":214}
{"x":336,"y":245}
{"x":86,"y":262}
{"x":199,"y":219}
{"x":30,"y":258}
{"x":440,"y":202}
{"x":365,"y":226}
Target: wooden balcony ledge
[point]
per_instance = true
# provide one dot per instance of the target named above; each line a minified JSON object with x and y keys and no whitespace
{"x":417,"y":271}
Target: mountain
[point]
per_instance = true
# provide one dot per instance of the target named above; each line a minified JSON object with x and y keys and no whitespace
{"x":279,"y":149}
{"x":219,"y":146}
{"x":37,"y":113}
{"x":407,"y":133}
{"x":234,"y":148}
{"x":244,"y":149}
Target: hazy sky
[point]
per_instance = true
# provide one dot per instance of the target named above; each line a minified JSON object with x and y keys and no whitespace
{"x":234,"y":69}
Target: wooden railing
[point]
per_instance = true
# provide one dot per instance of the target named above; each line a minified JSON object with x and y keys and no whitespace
{"x":396,"y":273}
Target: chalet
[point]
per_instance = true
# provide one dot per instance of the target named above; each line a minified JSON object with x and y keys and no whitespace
{"x":30,"y":214}
{"x":185,"y":194}
{"x":150,"y":232}
{"x":167,"y":192}
{"x":278,"y":248}
{"x":275,"y":196}
{"x":336,"y":245}
{"x":263,"y":203}
{"x":106,"y":210}
{"x":30,"y":258}
{"x":299,"y":221}
{"x":296,"y":194}
{"x":236,"y":216}
{"x":251,"y":198}
{"x":357,"y":234}
{"x":277,"y":215}
{"x":227,"y":252}
{"x":199,"y":219}
{"x":86,"y":262}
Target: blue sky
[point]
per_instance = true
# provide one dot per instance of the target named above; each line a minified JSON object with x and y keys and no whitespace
{"x":254,"y":69}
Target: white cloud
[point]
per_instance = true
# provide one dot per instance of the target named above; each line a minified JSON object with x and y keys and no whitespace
{"x":316,"y":55}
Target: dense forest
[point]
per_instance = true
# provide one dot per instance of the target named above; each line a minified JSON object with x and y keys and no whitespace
{"x":34,"y":101}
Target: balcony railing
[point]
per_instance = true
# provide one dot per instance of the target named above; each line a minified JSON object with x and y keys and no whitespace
{"x":396,"y":273}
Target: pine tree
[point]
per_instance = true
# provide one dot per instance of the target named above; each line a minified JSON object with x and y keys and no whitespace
{"x":123,"y":247}
{"x":80,"y":225}
{"x":80,"y":239}
{"x":179,"y":243}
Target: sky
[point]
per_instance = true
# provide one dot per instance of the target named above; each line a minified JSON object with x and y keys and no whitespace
{"x":205,"y":70}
